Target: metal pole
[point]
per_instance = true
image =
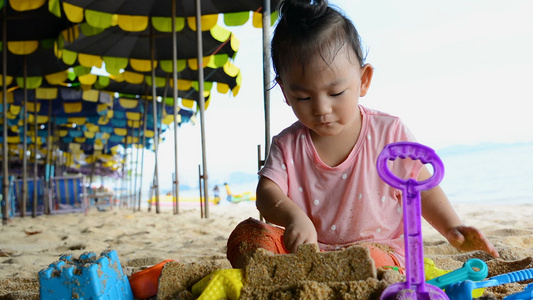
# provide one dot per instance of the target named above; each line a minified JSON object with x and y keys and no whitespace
{"x":142,"y":154}
{"x":24,"y":188}
{"x":55,"y":164}
{"x":176,"y":108}
{"x":201,"y":103}
{"x":266,"y":72}
{"x":35,"y":166}
{"x":130,"y":168}
{"x":5,"y":169}
{"x":48,"y":169}
{"x":93,"y":168}
{"x":200,"y":189}
{"x":137,"y":169}
{"x":125,"y":198}
{"x":150,"y":196}
{"x":156,"y":134}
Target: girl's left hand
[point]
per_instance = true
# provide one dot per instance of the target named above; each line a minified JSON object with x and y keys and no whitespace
{"x":468,"y":238}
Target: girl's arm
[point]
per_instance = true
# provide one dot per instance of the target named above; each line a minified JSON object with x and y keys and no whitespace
{"x":438,"y":211}
{"x":278,"y":209}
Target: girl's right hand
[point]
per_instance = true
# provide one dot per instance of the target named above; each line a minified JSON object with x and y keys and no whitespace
{"x":300,"y":231}
{"x":278,"y":209}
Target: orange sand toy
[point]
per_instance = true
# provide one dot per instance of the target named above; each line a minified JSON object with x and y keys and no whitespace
{"x":144,"y":283}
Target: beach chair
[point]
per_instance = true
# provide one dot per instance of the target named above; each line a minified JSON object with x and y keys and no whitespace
{"x":101,"y":198}
{"x":11,"y":198}
{"x":30,"y":193}
{"x":68,"y":195}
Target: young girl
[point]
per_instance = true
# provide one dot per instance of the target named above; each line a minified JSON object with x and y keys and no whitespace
{"x":320,"y":183}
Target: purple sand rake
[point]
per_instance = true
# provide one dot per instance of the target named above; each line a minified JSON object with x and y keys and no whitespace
{"x":415,"y":286}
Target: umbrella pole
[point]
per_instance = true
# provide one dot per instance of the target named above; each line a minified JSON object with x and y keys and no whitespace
{"x":142,"y":154}
{"x":155,"y":179}
{"x":132,"y":171}
{"x":266,"y":72}
{"x":176,"y":108}
{"x":35,"y":166}
{"x":24,"y":188}
{"x":201,"y":102}
{"x":125,"y":173}
{"x":156,"y":134}
{"x":200,"y":194}
{"x":55,"y":161}
{"x":93,"y":167}
{"x":5,"y":171}
{"x":138,"y":204}
{"x":160,"y":120}
{"x":48,"y":167}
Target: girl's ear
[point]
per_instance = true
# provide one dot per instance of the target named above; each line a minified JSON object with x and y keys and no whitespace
{"x":280,"y":83}
{"x":366,"y":78}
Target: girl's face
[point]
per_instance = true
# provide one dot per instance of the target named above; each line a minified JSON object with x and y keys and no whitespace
{"x":324,"y":97}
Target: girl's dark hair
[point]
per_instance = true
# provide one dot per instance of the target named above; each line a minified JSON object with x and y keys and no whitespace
{"x":307,"y":28}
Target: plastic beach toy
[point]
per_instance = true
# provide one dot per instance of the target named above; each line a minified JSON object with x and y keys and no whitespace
{"x":144,"y":284}
{"x":431,"y":271}
{"x":463,"y":290}
{"x":415,"y":287}
{"x":88,"y":277}
{"x":526,"y":294}
{"x":472,"y":269}
{"x":220,"y":284}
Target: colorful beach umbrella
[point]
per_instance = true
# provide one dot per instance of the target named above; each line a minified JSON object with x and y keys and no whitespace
{"x":172,"y":16}
{"x":134,"y":15}
{"x":27,"y":25}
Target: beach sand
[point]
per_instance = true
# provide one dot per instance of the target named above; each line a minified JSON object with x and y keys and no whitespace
{"x":143,"y":239}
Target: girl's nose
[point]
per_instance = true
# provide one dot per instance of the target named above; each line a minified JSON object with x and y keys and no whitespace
{"x":321,"y":106}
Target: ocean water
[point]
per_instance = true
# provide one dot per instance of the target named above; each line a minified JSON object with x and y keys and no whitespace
{"x":488,"y":173}
{"x":479,"y":174}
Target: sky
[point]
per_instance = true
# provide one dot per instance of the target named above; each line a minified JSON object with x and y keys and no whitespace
{"x":456,"y":72}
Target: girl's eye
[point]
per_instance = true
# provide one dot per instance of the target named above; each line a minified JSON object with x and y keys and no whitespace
{"x":303,"y":99}
{"x":337,"y":94}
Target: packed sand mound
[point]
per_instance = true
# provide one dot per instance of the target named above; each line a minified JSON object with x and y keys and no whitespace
{"x":143,"y":239}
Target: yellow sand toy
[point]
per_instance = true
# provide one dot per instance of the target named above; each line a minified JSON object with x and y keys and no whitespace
{"x":432,"y":273}
{"x":220,"y":284}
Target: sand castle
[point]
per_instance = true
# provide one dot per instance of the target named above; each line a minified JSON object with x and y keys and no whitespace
{"x":309,"y":274}
{"x":305,"y":274}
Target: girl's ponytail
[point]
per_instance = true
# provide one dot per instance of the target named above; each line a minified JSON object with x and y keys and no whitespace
{"x":302,"y":12}
{"x":309,"y":29}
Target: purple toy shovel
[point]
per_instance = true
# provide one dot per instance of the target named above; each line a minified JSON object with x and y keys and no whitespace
{"x":415,"y":286}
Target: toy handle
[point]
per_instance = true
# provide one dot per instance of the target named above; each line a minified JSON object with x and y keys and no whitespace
{"x":411,"y":188}
{"x":514,"y":276}
{"x":473,"y":269}
{"x":414,"y":151}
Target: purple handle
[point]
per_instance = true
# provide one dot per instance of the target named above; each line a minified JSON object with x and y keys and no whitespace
{"x":411,"y":188}
{"x":414,"y":151}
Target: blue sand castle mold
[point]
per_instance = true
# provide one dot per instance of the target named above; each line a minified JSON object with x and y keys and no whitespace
{"x":85,"y":278}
